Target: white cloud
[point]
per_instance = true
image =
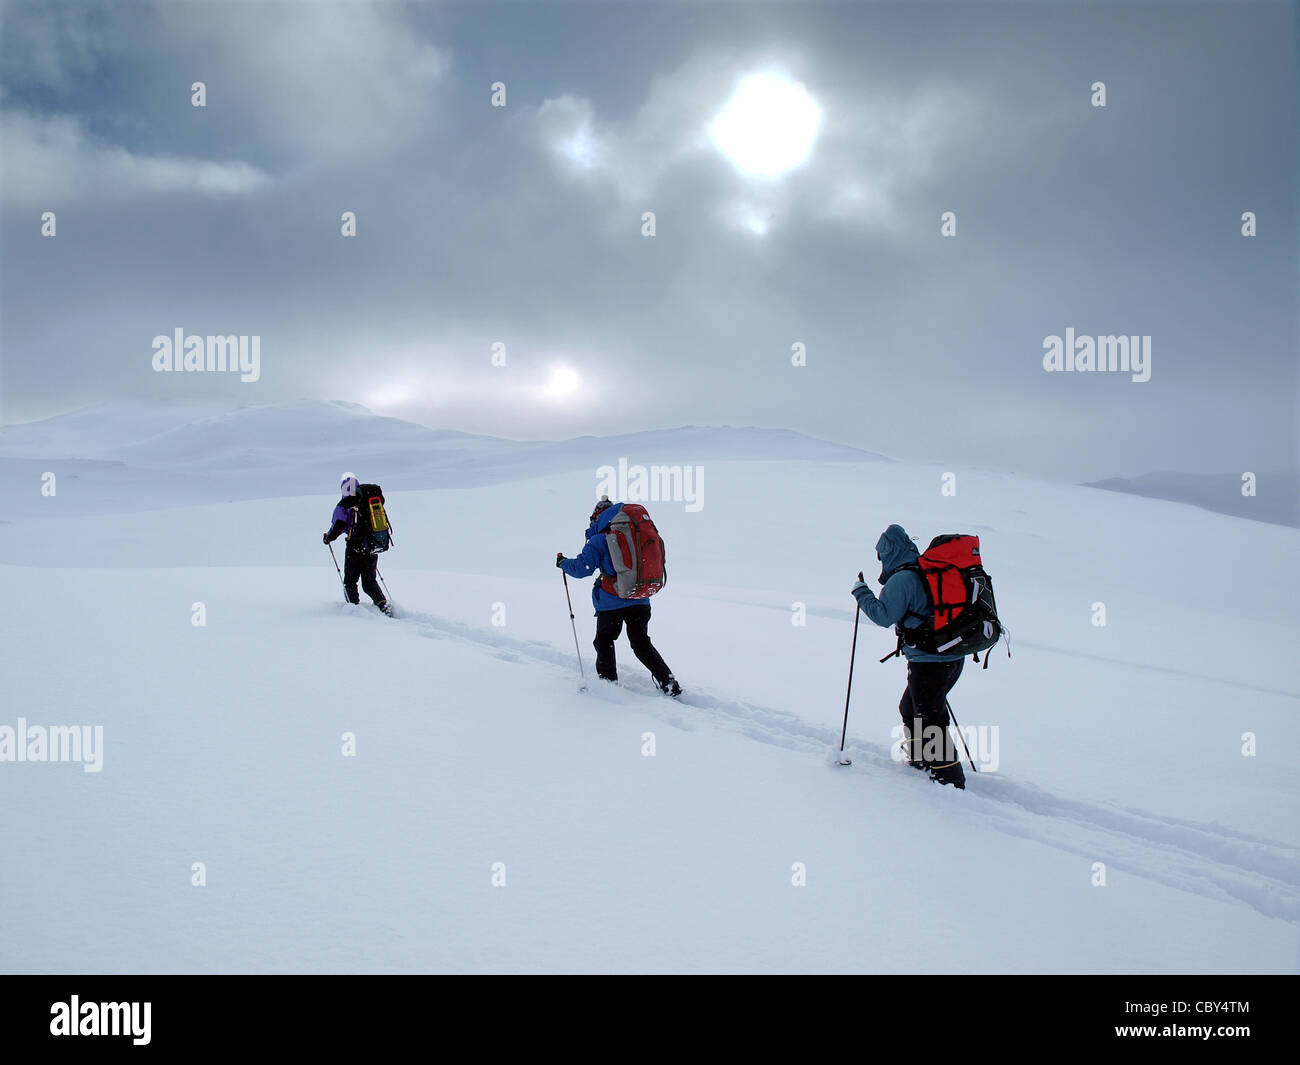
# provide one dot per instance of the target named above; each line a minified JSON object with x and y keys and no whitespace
{"x":747,"y":216}
{"x":52,"y":162}
{"x":870,"y":149}
{"x":670,"y":127}
{"x":566,"y":125}
{"x":314,"y":82}
{"x":291,"y":83}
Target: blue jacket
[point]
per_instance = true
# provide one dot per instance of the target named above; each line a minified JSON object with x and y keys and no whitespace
{"x":902,"y":592}
{"x":595,"y":556}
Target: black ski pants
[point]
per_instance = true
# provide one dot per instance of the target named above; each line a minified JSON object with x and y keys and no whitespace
{"x":609,"y":623}
{"x":925,"y":706}
{"x":362,"y":567}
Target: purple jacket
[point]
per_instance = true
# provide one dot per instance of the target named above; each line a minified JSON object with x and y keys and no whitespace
{"x":341,"y":521}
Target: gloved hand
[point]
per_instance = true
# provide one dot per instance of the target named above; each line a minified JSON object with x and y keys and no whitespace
{"x":559,"y":559}
{"x":325,"y":538}
{"x":859,"y":583}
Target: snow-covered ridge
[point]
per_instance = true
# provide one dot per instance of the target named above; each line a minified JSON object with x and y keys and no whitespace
{"x":299,"y":448}
{"x":176,"y":436}
{"x":179,"y":434}
{"x":1276,"y":498}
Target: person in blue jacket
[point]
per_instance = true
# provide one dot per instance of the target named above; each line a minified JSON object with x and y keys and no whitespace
{"x":904,"y":602}
{"x":612,"y":613}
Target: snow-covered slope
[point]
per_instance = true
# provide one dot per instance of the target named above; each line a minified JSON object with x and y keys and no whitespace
{"x":1118,"y":744}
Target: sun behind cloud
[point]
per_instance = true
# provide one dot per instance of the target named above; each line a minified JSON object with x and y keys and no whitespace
{"x":562,"y":382}
{"x":768,"y":126}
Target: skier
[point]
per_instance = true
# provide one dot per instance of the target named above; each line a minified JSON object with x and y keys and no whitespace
{"x":611,"y":611}
{"x":904,"y":602}
{"x":360,"y":563}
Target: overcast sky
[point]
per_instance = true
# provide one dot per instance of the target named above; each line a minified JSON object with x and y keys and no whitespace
{"x":807,"y":212}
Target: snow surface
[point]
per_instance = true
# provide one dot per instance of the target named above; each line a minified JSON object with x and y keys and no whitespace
{"x":222,"y":744}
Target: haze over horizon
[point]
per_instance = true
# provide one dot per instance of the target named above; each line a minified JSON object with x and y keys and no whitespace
{"x":302,"y":433}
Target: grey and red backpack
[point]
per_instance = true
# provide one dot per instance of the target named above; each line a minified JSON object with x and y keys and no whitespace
{"x":638,"y":553}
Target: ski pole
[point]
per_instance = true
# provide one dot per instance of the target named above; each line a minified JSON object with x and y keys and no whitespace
{"x":857,"y":613}
{"x":574,"y":624}
{"x":387,"y":594}
{"x":960,"y":736}
{"x":338,"y":571}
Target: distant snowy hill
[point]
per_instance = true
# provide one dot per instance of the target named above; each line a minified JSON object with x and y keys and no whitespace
{"x":174,"y":436}
{"x":1277,"y":497}
{"x":98,"y":431}
{"x":301,"y":448}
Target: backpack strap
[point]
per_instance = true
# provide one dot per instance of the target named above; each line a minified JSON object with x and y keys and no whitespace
{"x":925,"y":621}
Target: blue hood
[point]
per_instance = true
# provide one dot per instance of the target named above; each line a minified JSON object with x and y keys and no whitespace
{"x":603,"y":519}
{"x":895,"y":550}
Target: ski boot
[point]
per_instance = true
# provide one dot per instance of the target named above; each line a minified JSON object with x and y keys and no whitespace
{"x":948,"y":773}
{"x":908,"y":756}
{"x":671,"y":687}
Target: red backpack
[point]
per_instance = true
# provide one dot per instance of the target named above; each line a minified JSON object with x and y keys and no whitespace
{"x":963,"y":618}
{"x":638,"y":553}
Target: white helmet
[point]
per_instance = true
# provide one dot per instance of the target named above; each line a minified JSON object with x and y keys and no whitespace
{"x":348,"y":486}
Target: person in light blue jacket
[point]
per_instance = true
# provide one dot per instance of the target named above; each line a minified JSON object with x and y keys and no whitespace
{"x":904,"y":604}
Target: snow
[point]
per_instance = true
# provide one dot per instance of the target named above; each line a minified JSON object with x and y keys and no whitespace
{"x":1118,"y":744}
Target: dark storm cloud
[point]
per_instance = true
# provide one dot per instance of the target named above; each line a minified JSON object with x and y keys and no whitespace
{"x":522,"y":224}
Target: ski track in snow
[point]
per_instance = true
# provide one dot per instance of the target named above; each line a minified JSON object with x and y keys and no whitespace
{"x":1211,"y":860}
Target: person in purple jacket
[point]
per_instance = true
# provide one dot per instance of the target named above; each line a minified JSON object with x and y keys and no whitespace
{"x":358,"y":563}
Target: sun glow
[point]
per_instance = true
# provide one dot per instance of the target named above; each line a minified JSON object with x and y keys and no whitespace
{"x":768,"y":126}
{"x":563,"y":382}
